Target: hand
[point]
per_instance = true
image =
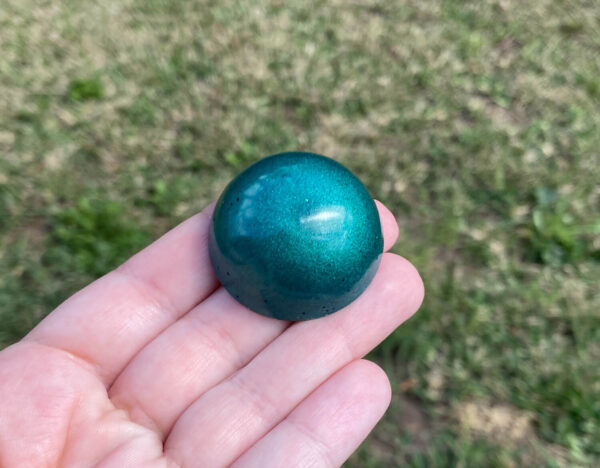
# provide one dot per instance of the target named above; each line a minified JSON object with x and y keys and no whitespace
{"x":155,"y":365}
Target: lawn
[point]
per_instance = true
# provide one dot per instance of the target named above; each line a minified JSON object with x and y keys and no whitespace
{"x":476,"y":122}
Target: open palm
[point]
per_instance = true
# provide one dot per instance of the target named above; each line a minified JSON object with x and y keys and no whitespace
{"x":155,"y":365}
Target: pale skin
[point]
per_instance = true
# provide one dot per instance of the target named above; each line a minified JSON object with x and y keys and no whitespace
{"x":155,"y":365}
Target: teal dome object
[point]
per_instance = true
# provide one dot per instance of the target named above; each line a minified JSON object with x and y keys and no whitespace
{"x":296,"y":236}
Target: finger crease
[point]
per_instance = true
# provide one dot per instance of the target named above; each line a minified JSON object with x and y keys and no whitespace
{"x":217,"y":338}
{"x":264,"y":407}
{"x":148,"y":289}
{"x":317,"y":444}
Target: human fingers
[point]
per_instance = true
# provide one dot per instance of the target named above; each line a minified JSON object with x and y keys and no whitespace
{"x":327,"y":426}
{"x":232,"y":416}
{"x":211,"y":342}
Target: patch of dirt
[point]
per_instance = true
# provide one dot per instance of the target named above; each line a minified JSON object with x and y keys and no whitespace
{"x":507,"y":46}
{"x":32,"y":228}
{"x":406,"y":418}
{"x":413,"y":421}
{"x":503,"y":423}
{"x":507,"y":426}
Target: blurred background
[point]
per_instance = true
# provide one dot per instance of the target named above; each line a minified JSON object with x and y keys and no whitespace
{"x":476,"y":122}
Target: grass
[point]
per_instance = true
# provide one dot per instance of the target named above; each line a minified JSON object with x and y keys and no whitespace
{"x":476,"y":122}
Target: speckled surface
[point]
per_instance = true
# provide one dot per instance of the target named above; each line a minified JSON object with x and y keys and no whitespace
{"x":295,"y":236}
